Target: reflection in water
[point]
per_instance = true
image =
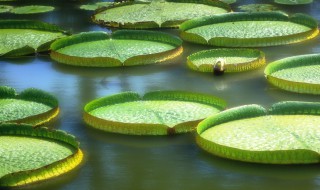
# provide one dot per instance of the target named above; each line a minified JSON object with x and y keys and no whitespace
{"x":124,"y":162}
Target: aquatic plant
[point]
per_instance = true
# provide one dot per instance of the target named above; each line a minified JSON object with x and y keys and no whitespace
{"x":157,"y":13}
{"x":258,"y":8}
{"x":95,"y":6}
{"x":121,"y":48}
{"x":287,"y":133}
{"x":23,"y":37}
{"x":30,"y":155}
{"x":5,"y":8}
{"x":31,"y":9}
{"x":236,"y":60}
{"x":293,"y":2}
{"x":250,"y":29}
{"x":296,"y":74}
{"x":156,"y":113}
{"x":32,"y":106}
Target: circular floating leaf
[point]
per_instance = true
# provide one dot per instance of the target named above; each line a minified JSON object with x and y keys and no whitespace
{"x":297,"y":74}
{"x":122,"y":48}
{"x":32,"y":9}
{"x":236,"y":60}
{"x":250,"y":29}
{"x":95,"y":6}
{"x":30,"y":155}
{"x":22,"y":37}
{"x":289,"y":134}
{"x":293,"y":2}
{"x":158,"y":13}
{"x":156,"y":113}
{"x":5,"y":8}
{"x":31,"y":106}
{"x":258,"y":8}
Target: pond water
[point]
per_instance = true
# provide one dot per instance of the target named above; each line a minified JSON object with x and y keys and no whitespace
{"x":128,"y":162}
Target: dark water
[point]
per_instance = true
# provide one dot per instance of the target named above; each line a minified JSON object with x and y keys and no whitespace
{"x":127,"y":162}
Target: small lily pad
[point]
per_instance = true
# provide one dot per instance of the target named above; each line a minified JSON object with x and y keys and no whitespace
{"x":157,"y":13}
{"x":5,"y":8}
{"x":31,"y":106}
{"x":250,"y":29}
{"x":32,"y":9}
{"x":297,"y":74}
{"x":235,"y":60}
{"x":288,"y":133}
{"x":258,"y":8}
{"x":95,"y":6}
{"x":31,"y":155}
{"x":122,"y":48}
{"x":156,"y":113}
{"x":23,"y":37}
{"x":293,"y":2}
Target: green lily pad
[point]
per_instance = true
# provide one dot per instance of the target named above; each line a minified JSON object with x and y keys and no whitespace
{"x":229,"y":1}
{"x":95,"y":6}
{"x":32,"y":9}
{"x":156,"y":113}
{"x":293,"y":2}
{"x":158,"y":13}
{"x":31,"y":155}
{"x":297,"y":74}
{"x":250,"y":29}
{"x":288,"y":134}
{"x":23,"y":37}
{"x":31,"y":106}
{"x":235,"y":60}
{"x":258,"y":8}
{"x":5,"y":8}
{"x":122,"y":48}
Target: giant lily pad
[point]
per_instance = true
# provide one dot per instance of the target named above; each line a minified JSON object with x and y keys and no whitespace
{"x":31,"y":155}
{"x":250,"y":29}
{"x":122,"y":48}
{"x":236,"y":60}
{"x":156,"y":113}
{"x":297,"y":74}
{"x":158,"y":13}
{"x":293,"y":2}
{"x":22,"y":37}
{"x":288,"y":134}
{"x":32,"y":9}
{"x":31,"y":106}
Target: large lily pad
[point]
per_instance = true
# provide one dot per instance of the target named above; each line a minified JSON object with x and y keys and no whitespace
{"x":236,"y":60}
{"x":31,"y":106}
{"x":288,"y":134}
{"x":158,"y":13}
{"x":22,"y":37}
{"x":156,"y":113}
{"x":32,"y":9}
{"x":250,"y":29}
{"x":122,"y":48}
{"x":293,"y":2}
{"x":30,"y":155}
{"x":297,"y":74}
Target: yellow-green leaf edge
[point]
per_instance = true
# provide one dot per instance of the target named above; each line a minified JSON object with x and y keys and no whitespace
{"x":52,"y":170}
{"x":147,"y":129}
{"x":240,"y":67}
{"x":297,"y":18}
{"x":34,"y":95}
{"x":298,"y":156}
{"x":298,"y":87}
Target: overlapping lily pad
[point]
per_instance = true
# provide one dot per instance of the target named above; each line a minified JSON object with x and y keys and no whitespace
{"x":258,"y":8}
{"x":31,"y":155}
{"x":31,"y":106}
{"x":250,"y":29}
{"x":236,"y":60}
{"x":156,"y":113}
{"x":5,"y":8}
{"x":297,"y":74}
{"x":122,"y":48}
{"x":288,"y":133}
{"x":293,"y":2}
{"x":32,"y":9}
{"x":23,"y":37}
{"x":158,"y":13}
{"x":95,"y":6}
